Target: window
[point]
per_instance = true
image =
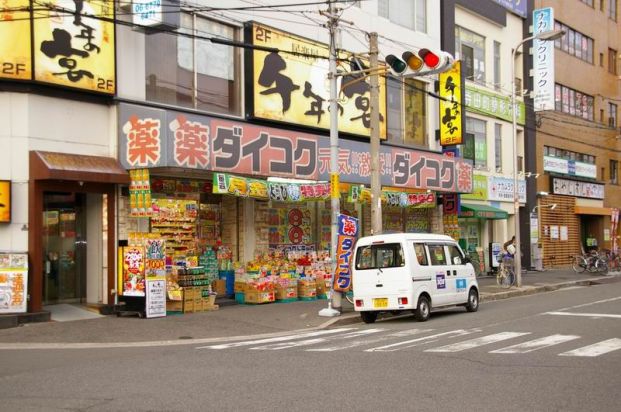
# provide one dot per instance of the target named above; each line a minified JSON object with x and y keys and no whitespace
{"x":574,"y":43}
{"x":568,"y":155}
{"x":454,"y":252}
{"x":498,"y":147}
{"x":612,"y":115}
{"x":614,"y":171}
{"x":470,"y":48}
{"x":612,"y":61}
{"x":407,"y":121}
{"x":612,"y":9}
{"x":407,"y":13}
{"x":170,"y":68}
{"x":573,"y":102}
{"x":520,"y":164}
{"x":387,"y":255}
{"x":421,"y":256}
{"x":477,"y":128}
{"x":497,"y":65}
{"x":436,"y":254}
{"x":588,"y":2}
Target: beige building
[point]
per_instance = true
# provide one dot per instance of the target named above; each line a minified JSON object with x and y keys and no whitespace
{"x":579,"y":143}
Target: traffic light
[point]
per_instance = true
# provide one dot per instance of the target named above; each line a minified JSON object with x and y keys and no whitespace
{"x":421,"y":63}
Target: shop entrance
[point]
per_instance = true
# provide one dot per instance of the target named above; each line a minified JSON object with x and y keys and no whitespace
{"x":64,"y":247}
{"x":591,"y":231}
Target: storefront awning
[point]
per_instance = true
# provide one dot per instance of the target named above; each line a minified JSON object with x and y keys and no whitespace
{"x":590,"y":210}
{"x":482,"y":212}
{"x":65,"y":166}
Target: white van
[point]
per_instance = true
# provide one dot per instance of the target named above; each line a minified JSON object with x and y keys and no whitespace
{"x":411,"y":271}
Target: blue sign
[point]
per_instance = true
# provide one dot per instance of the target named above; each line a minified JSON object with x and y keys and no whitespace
{"x":441,"y":281}
{"x":460,"y":284}
{"x":518,"y":7}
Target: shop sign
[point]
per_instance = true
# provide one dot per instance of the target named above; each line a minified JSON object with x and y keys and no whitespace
{"x":569,"y":167}
{"x":543,"y":60}
{"x":501,"y":189}
{"x":292,"y":88}
{"x":576,"y":188}
{"x":494,"y":104}
{"x":347,"y":234}
{"x":451,"y":119}
{"x":147,"y":140}
{"x":156,"y":13}
{"x":479,"y":188}
{"x":15,"y":47}
{"x":13,"y":282}
{"x":450,"y":211}
{"x":515,"y":6}
{"x":361,"y":194}
{"x":73,"y":49}
{"x":5,"y":199}
{"x":133,"y":271}
{"x":261,"y":189}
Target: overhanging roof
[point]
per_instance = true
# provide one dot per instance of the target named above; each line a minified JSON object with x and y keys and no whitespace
{"x":66,"y":166}
{"x":482,"y":212}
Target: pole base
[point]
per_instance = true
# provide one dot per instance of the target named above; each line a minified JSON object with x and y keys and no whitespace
{"x":329,"y":313}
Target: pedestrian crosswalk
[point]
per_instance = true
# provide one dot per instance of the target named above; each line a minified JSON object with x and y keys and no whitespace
{"x":428,"y":340}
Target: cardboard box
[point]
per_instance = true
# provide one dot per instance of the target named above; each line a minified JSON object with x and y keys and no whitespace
{"x":174,"y":306}
{"x":239,"y":287}
{"x":289,"y":292}
{"x":307,"y":290}
{"x":254,"y":296}
{"x":219,"y":286}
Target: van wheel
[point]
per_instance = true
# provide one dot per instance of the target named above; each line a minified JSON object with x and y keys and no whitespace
{"x":423,"y":309}
{"x":368,"y":317}
{"x":473,"y":301}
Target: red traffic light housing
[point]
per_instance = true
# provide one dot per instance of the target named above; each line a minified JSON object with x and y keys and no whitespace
{"x":421,"y":63}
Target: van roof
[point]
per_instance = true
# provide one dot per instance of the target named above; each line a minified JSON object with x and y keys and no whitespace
{"x":397,"y":237}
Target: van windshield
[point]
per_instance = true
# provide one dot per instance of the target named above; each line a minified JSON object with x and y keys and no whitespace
{"x":387,"y":255}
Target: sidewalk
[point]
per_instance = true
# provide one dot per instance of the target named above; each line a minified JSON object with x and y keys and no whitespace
{"x":243,"y":320}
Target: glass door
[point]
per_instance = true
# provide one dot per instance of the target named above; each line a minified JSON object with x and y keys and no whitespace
{"x":64,"y":247}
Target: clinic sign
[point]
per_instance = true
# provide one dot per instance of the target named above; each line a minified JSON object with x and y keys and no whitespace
{"x":569,"y":167}
{"x":543,"y":60}
{"x":501,"y":189}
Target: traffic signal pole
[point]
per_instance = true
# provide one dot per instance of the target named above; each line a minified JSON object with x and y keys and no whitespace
{"x":376,"y":185}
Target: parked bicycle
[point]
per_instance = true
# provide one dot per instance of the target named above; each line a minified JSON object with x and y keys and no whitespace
{"x":592,"y":262}
{"x":505,"y":278}
{"x":613,"y":260}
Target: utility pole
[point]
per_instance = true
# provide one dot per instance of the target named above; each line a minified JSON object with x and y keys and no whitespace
{"x":376,"y":185}
{"x":334,"y":304}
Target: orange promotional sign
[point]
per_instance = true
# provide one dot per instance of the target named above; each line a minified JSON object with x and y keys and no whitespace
{"x":5,"y":201}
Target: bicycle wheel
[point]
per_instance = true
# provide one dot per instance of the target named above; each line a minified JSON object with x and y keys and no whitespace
{"x":579,"y":264}
{"x":349,"y":295}
{"x":601,"y":265}
{"x":592,"y":265}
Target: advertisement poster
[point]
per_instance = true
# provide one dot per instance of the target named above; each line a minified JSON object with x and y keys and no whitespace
{"x":133,"y":271}
{"x":227,"y":184}
{"x":534,"y":228}
{"x":13,"y":282}
{"x":156,"y":298}
{"x":554,"y":232}
{"x":564,"y":233}
{"x":155,"y":258}
{"x":289,"y":225}
{"x":347,"y":234}
{"x":140,"y":193}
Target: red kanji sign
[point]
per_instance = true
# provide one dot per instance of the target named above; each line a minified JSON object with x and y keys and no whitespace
{"x":191,"y":143}
{"x":143,"y":141}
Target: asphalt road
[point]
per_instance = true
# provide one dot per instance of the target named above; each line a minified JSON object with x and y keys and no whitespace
{"x":557,"y":351}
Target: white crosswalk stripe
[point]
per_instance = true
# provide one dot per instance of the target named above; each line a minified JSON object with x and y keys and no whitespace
{"x":473,"y":343}
{"x":536,"y":344}
{"x":371,"y":341}
{"x":308,"y":342}
{"x":276,"y":339}
{"x":419,"y":341}
{"x":596,"y":349}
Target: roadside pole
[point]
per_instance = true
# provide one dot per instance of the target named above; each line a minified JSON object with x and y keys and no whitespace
{"x":376,"y":185}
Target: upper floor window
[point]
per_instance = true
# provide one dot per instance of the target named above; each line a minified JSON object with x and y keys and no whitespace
{"x":470,"y":49}
{"x":574,"y":43}
{"x":588,"y":2}
{"x":406,"y":109}
{"x":568,"y":155}
{"x":181,"y":70}
{"x":612,"y":115}
{"x":573,"y":102}
{"x":612,"y":61}
{"x":478,"y":129}
{"x":407,"y":13}
{"x":614,"y":171}
{"x":612,"y":9}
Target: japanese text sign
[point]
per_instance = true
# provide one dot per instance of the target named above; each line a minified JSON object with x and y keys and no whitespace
{"x":13,"y":282}
{"x":292,"y":88}
{"x":347,"y":234}
{"x":133,"y":271}
{"x":543,"y":60}
{"x":361,"y":194}
{"x":494,"y":104}
{"x":15,"y":44}
{"x":75,"y":50}
{"x":577,"y":188}
{"x":501,"y":189}
{"x":261,"y":189}
{"x":479,"y":189}
{"x":451,"y":120}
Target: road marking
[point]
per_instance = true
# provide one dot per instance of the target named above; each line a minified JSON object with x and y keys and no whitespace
{"x":590,"y":303}
{"x":373,"y":340}
{"x":596,"y":349}
{"x":473,"y":343}
{"x":589,"y":315}
{"x":308,"y":342}
{"x":277,"y":339}
{"x":419,"y":341}
{"x":536,"y":344}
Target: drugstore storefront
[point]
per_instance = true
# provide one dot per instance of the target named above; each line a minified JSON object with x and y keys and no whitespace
{"x":257,"y":192}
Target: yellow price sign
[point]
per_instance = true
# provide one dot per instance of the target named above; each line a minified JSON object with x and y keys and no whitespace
{"x":334,"y":186}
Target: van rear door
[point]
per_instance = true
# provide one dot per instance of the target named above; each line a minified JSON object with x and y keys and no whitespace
{"x":380,"y":271}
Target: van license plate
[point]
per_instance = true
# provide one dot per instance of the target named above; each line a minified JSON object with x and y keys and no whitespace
{"x":380,"y":303}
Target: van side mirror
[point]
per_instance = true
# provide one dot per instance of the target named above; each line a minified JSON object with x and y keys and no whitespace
{"x":465,"y":260}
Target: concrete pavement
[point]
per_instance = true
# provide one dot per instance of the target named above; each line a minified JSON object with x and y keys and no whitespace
{"x":244,"y":320}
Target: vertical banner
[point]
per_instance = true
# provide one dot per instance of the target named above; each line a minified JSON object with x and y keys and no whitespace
{"x":450,"y":106}
{"x":13,"y":282}
{"x":543,"y":60}
{"x":15,"y":43}
{"x":140,"y":193}
{"x":348,"y":232}
{"x":450,"y":209}
{"x":133,"y":271}
{"x":614,"y":223}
